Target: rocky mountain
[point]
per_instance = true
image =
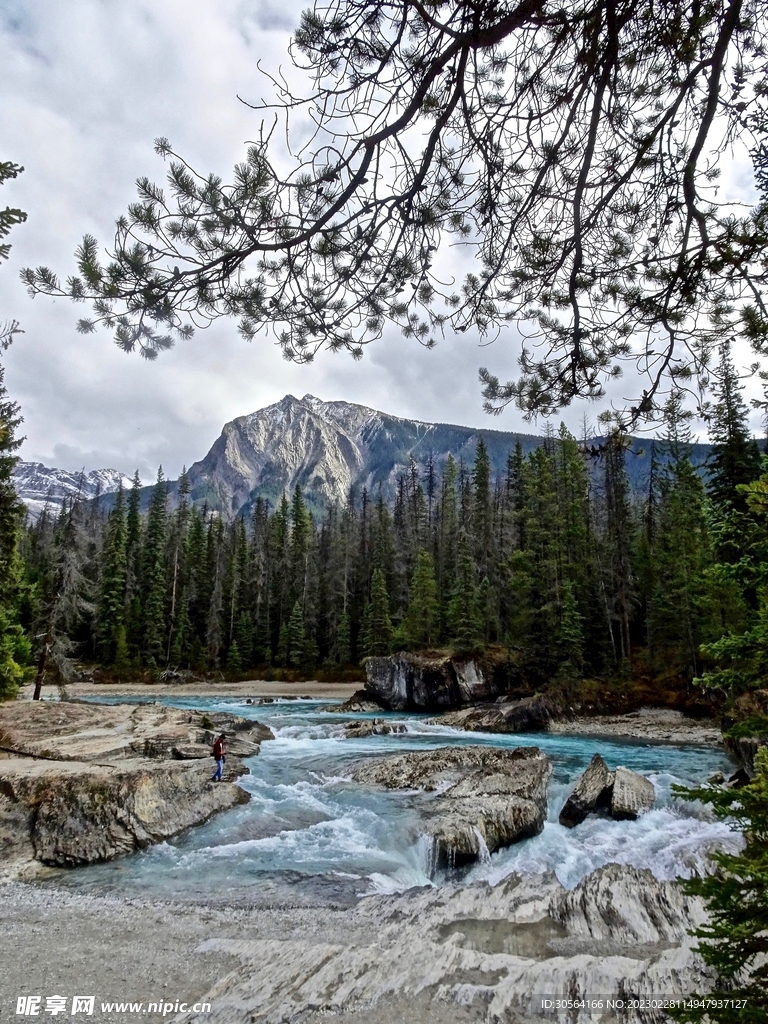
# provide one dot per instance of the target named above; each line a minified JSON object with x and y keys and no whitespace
{"x":39,"y":486}
{"x":327,"y":448}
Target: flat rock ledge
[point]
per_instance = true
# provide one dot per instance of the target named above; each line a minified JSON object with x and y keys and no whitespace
{"x":83,"y":783}
{"x":484,"y":799}
{"x":622,"y":794}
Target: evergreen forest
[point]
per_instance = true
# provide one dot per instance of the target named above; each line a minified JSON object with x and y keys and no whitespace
{"x":555,"y":572}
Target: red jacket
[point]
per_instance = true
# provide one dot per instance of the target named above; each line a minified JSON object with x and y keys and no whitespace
{"x":218,"y":749}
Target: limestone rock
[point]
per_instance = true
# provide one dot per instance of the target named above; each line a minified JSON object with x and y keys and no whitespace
{"x":485,"y":798}
{"x":472,"y":953}
{"x":84,"y":782}
{"x":627,"y":905}
{"x":371,"y":727}
{"x":411,"y":682}
{"x":528,"y":714}
{"x":78,"y":813}
{"x":592,"y":790}
{"x":84,"y":731}
{"x":360,"y":701}
{"x":631,"y":796}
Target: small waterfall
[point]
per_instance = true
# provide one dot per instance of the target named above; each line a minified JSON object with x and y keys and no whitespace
{"x":483,"y":853}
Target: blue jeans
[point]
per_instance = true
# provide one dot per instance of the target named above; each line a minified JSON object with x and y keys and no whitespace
{"x":216,"y":777}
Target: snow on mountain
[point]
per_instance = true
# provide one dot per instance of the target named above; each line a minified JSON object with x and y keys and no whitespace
{"x":39,"y":486}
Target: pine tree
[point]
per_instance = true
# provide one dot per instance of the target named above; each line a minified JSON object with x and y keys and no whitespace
{"x":463,"y":618}
{"x":178,"y":613}
{"x":66,"y":595}
{"x":153,"y":582}
{"x":14,"y":646}
{"x":419,"y":626}
{"x":735,"y":457}
{"x":341,"y":652}
{"x":378,"y":630}
{"x":735,"y":941}
{"x":113,"y":582}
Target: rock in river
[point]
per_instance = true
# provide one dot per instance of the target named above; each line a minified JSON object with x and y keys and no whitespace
{"x":592,"y":790}
{"x":527,"y":714}
{"x":485,"y":798}
{"x":623,"y":794}
{"x":632,"y":795}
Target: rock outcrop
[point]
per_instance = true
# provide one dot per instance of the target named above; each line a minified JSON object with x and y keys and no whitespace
{"x":411,"y":682}
{"x":528,"y":714}
{"x":622,"y":794}
{"x":82,"y":783}
{"x":485,"y":798}
{"x":71,"y":814}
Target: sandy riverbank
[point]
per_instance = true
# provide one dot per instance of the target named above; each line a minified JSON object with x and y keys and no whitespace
{"x":251,"y":688}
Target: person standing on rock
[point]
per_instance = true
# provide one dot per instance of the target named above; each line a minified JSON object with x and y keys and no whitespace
{"x":219,"y":754}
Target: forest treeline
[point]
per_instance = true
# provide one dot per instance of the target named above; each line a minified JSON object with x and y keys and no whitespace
{"x":555,"y":565}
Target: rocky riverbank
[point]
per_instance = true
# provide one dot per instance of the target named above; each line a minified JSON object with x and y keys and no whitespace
{"x":448,"y":955}
{"x":82,"y":783}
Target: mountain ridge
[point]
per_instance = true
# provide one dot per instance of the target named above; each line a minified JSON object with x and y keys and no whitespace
{"x":326,"y":448}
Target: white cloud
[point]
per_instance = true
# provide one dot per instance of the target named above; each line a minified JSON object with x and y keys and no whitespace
{"x":87,"y":85}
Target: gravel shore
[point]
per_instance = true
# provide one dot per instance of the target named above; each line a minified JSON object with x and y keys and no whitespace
{"x":659,"y":725}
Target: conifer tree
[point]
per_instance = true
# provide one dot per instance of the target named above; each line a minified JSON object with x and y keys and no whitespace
{"x":463,"y":618}
{"x":420,"y":624}
{"x":153,"y":583}
{"x":482,"y":523}
{"x":378,"y":626}
{"x":342,"y":648}
{"x":178,"y":619}
{"x":113,"y":582}
{"x":735,"y":457}
{"x":66,"y":595}
{"x":14,"y":647}
{"x":735,"y":940}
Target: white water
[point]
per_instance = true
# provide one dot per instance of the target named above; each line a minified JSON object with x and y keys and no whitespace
{"x":310,"y":834}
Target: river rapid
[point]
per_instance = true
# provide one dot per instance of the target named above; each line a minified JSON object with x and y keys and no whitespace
{"x":311,"y":836}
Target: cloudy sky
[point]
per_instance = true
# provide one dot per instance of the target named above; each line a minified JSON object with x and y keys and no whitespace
{"x":86,"y":87}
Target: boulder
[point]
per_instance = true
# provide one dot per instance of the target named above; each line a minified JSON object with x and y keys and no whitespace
{"x":622,"y":794}
{"x":371,"y":727}
{"x":361,"y":701}
{"x":631,"y":796}
{"x":592,"y":791}
{"x":485,"y":798}
{"x":411,"y":682}
{"x":627,"y":905}
{"x":528,"y":714}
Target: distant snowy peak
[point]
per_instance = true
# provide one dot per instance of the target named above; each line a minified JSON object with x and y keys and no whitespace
{"x":39,"y":486}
